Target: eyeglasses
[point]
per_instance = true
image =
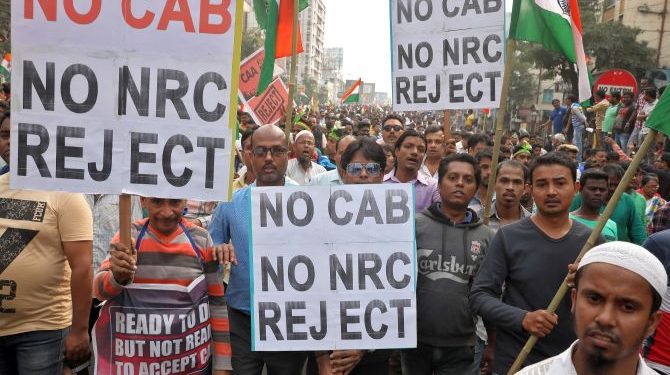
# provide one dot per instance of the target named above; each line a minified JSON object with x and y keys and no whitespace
{"x":276,"y":151}
{"x":372,"y":169}
{"x":388,"y":128}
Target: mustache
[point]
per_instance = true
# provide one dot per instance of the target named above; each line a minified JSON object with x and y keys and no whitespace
{"x":603,"y":332}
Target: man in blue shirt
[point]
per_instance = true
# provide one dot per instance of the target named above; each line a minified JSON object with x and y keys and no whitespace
{"x":231,"y":222}
{"x":557,"y":117}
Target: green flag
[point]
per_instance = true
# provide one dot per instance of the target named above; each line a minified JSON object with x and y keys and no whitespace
{"x":659,"y":119}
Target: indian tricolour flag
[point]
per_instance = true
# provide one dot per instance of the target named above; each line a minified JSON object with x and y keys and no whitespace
{"x":276,"y":18}
{"x":7,"y":63}
{"x":557,"y":26}
{"x":353,"y":93}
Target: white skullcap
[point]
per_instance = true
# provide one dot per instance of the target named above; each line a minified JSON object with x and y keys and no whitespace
{"x":632,"y":257}
{"x":303,"y":132}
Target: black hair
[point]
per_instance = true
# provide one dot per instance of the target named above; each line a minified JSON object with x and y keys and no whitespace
{"x":648,"y":177}
{"x":433,"y":129}
{"x":573,"y":98}
{"x":476,"y":139}
{"x":616,"y":95}
{"x":590,"y":164}
{"x":370,"y":150}
{"x":393,"y":116}
{"x":614,"y":169}
{"x":591,"y":174}
{"x":4,"y":116}
{"x":462,"y":157}
{"x":651,"y":93}
{"x":486,"y":153}
{"x":388,"y":148}
{"x":248,"y":133}
{"x":554,"y":158}
{"x":409,"y":133}
{"x":601,"y":93}
{"x":613,"y":156}
{"x":656,"y":298}
{"x":513,"y":164}
{"x":665,"y":157}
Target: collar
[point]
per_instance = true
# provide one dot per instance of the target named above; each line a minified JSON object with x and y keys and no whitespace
{"x":287,"y":182}
{"x":4,"y":169}
{"x":420,"y":179}
{"x":494,"y":212}
{"x":562,"y":364}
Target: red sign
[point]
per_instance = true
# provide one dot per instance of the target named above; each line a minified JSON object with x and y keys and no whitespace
{"x":616,"y":80}
{"x":270,"y":105}
{"x":250,"y":72}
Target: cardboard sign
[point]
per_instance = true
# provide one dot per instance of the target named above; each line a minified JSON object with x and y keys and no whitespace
{"x":135,"y":98}
{"x":447,"y":55}
{"x":270,"y":106}
{"x":250,"y":73}
{"x":333,"y":267}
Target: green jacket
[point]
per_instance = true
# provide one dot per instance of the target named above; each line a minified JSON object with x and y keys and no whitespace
{"x":630,"y":226}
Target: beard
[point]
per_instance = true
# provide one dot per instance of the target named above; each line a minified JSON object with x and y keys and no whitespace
{"x":598,"y":363}
{"x":305,"y":161}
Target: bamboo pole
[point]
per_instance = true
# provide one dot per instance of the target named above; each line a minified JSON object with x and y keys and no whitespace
{"x":500,"y":124}
{"x":124,"y":221}
{"x":611,"y":205}
{"x":291,"y":81}
{"x":446,"y":124}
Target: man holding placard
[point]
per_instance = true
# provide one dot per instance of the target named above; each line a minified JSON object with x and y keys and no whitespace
{"x":231,"y":222}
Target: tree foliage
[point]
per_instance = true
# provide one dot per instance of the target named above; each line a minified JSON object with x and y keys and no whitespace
{"x":614,"y":45}
{"x":523,"y":83}
{"x":252,"y":40}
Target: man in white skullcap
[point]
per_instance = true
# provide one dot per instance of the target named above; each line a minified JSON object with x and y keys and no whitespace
{"x":301,"y":169}
{"x":615,"y":306}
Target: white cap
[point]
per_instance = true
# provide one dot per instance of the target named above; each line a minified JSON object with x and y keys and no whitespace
{"x":302,"y":133}
{"x":632,"y":257}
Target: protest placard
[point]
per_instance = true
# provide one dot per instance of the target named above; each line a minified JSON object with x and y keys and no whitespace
{"x":155,"y":329}
{"x":250,"y":70}
{"x":447,"y":54}
{"x":333,"y":267}
{"x":270,"y":106}
{"x":125,"y":97}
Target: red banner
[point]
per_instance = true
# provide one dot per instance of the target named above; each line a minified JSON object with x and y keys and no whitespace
{"x":270,"y":105}
{"x":250,"y":70}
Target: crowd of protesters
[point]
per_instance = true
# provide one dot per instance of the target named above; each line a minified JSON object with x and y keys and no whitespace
{"x":483,"y":282}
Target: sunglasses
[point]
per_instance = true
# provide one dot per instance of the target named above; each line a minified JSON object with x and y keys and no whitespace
{"x":372,"y":169}
{"x":276,"y":151}
{"x":388,"y":128}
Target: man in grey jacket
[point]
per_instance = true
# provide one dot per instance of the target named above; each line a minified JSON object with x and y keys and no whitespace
{"x":531,"y":258}
{"x":451,"y":240}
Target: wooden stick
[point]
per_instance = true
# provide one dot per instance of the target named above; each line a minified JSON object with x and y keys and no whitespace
{"x":611,"y":205}
{"x":124,"y":220}
{"x":291,"y":81}
{"x":446,"y":124}
{"x":500,"y":124}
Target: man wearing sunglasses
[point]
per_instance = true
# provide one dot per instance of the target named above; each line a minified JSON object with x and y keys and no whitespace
{"x":392,"y":128}
{"x":409,"y":151}
{"x":231,"y":222}
{"x":362,"y":162}
{"x":333,"y":177}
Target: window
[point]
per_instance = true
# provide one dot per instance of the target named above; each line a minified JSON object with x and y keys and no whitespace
{"x":547,"y":96}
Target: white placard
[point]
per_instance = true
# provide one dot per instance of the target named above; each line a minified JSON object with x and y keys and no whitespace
{"x":333,"y":267}
{"x":124,"y":96}
{"x":447,"y":54}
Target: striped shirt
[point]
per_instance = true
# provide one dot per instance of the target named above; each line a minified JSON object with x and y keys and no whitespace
{"x":172,"y":260}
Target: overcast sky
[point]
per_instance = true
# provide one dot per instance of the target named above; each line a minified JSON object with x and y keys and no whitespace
{"x":361,"y":27}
